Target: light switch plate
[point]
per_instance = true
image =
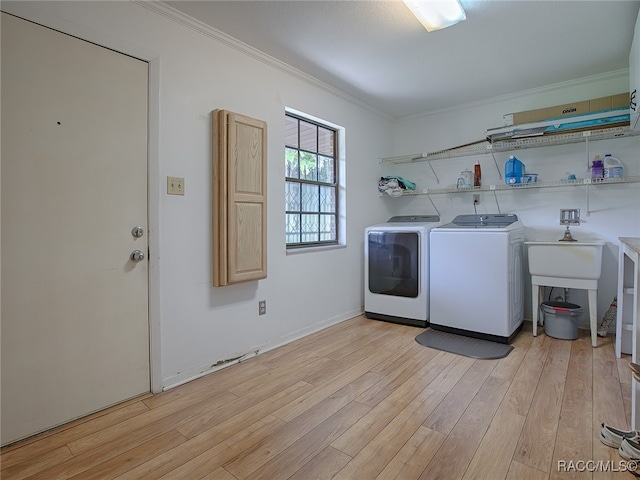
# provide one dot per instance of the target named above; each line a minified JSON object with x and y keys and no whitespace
{"x":175,"y":185}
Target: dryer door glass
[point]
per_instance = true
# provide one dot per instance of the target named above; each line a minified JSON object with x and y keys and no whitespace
{"x":393,"y":263}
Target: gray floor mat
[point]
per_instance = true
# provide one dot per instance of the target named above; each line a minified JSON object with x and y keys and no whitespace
{"x":461,"y":345}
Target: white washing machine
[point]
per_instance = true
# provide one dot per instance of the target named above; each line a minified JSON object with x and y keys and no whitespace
{"x":476,"y":279}
{"x":396,"y":269}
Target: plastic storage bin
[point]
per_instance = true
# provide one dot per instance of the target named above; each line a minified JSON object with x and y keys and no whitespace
{"x":560,"y":319}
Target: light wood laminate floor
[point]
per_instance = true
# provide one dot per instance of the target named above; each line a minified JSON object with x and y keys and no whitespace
{"x":359,"y":400}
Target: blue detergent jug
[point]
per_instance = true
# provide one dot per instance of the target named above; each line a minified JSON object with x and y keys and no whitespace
{"x":513,"y":171}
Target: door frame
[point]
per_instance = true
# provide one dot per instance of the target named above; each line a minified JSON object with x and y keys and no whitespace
{"x":29,"y":11}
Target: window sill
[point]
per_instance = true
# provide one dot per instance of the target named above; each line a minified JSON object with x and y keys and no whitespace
{"x":320,"y":248}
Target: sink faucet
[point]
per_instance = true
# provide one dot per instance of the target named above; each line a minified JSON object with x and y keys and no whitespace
{"x":567,"y":236}
{"x":569,"y":216}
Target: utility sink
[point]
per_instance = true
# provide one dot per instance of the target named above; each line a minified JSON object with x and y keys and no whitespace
{"x":575,"y":260}
{"x":566,"y":265}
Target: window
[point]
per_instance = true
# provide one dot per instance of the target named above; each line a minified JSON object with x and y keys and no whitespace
{"x":311,"y":170}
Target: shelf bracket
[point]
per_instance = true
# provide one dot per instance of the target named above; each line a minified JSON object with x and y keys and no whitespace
{"x":495,"y":162}
{"x":434,"y":172}
{"x":586,"y":136}
{"x":433,"y":205}
{"x":495,"y":197}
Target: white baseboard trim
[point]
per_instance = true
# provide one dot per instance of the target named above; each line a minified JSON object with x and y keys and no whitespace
{"x":214,"y":366}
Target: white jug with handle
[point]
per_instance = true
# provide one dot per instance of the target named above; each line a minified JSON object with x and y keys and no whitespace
{"x":612,"y":167}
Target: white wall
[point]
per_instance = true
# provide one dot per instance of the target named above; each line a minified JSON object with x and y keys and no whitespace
{"x":615,"y":210}
{"x":193,"y":72}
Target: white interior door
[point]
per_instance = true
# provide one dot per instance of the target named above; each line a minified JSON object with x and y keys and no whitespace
{"x":75,"y":330}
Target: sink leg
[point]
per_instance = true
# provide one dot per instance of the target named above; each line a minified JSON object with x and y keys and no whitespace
{"x":593,"y":316}
{"x":535,"y":304}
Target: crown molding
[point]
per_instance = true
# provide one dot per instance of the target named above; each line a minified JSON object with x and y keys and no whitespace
{"x":162,"y":9}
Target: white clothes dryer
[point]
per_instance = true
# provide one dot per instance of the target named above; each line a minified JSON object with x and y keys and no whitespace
{"x":396,"y":269}
{"x":476,"y":279}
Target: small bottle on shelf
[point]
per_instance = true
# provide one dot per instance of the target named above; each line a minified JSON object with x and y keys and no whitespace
{"x":597,"y":167}
{"x":477,"y":175}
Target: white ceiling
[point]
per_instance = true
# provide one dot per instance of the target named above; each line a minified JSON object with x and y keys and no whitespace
{"x":377,"y":52}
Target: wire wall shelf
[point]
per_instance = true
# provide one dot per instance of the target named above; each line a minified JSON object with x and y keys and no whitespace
{"x":525,"y":186}
{"x":485,"y":147}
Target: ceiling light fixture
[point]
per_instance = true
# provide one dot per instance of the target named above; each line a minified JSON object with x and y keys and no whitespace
{"x":437,"y":14}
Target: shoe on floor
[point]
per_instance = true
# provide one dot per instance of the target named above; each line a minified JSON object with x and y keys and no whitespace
{"x":613,"y":437}
{"x":635,"y":368}
{"x":630,"y":449}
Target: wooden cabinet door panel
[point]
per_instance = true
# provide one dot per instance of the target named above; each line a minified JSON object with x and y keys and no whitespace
{"x":239,"y":198}
{"x":247,"y":262}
